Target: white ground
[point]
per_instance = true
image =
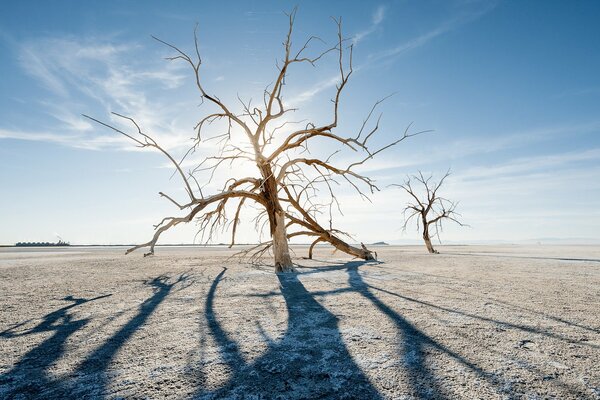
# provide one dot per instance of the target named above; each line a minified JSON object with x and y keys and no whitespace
{"x":472,"y":322}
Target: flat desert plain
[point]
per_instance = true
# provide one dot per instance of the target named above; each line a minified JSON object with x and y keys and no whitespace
{"x":487,"y":322}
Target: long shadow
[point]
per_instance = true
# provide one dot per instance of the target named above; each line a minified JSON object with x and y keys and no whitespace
{"x":94,"y":367}
{"x":458,"y":282}
{"x":29,"y":376}
{"x":546,"y":315}
{"x":504,"y":303}
{"x":30,"y":379}
{"x":504,"y":324}
{"x":419,"y":343}
{"x":414,"y":345}
{"x":310,"y":360}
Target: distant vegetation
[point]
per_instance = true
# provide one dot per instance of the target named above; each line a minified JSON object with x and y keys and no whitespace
{"x":42,"y":244}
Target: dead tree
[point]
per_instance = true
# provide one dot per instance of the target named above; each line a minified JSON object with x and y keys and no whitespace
{"x":427,"y":207}
{"x":286,"y":183}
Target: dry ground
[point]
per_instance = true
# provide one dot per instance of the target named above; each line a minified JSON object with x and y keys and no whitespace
{"x":473,"y":322}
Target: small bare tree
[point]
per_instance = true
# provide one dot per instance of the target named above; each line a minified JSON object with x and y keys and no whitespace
{"x":288,"y":184}
{"x":427,"y":207}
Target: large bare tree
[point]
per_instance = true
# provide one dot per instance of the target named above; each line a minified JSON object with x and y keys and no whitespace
{"x":427,"y":207}
{"x":285,"y":182}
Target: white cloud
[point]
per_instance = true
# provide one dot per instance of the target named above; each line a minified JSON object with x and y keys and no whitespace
{"x":32,"y":63}
{"x":93,"y":77}
{"x":424,"y":38}
{"x":63,"y":112}
{"x":376,"y":20}
{"x":529,"y":165}
{"x":80,"y":141}
{"x":414,"y":42}
{"x":378,"y":15}
{"x":308,"y":94}
{"x":476,"y":146}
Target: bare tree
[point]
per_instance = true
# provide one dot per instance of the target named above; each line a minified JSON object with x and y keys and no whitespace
{"x":427,"y":207}
{"x":288,"y":183}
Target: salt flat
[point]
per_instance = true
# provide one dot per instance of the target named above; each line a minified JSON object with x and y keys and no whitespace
{"x":471,"y":322}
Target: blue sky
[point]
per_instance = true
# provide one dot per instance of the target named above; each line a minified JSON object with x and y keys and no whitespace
{"x":510,"y":88}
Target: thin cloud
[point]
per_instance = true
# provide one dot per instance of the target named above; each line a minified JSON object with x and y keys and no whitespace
{"x":426,"y":37}
{"x":35,"y":66}
{"x":414,"y":42}
{"x":376,"y":19}
{"x":93,"y":77}
{"x":476,"y":146}
{"x":308,"y":94}
{"x":378,"y":15}
{"x":63,"y":113}
{"x":529,"y":165}
{"x":79,"y":141}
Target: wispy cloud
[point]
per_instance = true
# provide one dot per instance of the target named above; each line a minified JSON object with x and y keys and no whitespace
{"x":33,"y":64}
{"x":531,"y":165}
{"x":415,"y":42}
{"x":316,"y":89}
{"x":63,"y":112}
{"x":533,"y":192}
{"x":424,"y":38}
{"x":95,"y":77}
{"x":376,"y":20}
{"x":378,"y":15}
{"x":308,"y":94}
{"x":484,"y":143}
{"x":80,"y":141}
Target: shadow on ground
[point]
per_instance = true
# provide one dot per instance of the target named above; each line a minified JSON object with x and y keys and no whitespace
{"x":311,"y":360}
{"x":31,"y":376}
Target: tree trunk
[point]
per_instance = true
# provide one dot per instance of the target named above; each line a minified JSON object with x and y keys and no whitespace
{"x":363,"y":252}
{"x":281,"y":252}
{"x":428,"y":242}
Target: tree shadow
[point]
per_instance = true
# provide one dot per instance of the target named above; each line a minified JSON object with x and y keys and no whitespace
{"x":30,"y":377}
{"x":310,"y":360}
{"x":94,"y":367}
{"x":503,"y":324}
{"x":312,"y":330}
{"x":414,"y":345}
{"x":490,"y":299}
{"x":358,"y":284}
